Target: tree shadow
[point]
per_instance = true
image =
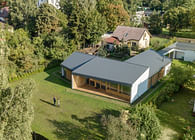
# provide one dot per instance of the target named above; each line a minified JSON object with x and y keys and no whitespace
{"x":88,"y":128}
{"x":55,"y":77}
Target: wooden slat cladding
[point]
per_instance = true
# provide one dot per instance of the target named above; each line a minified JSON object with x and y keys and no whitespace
{"x":68,"y":74}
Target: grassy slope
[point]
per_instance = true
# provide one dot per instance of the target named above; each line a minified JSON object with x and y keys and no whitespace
{"x":79,"y":114}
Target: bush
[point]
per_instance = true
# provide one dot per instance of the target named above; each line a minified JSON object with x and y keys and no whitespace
{"x":117,"y":129}
{"x":188,"y":135}
{"x":148,"y":124}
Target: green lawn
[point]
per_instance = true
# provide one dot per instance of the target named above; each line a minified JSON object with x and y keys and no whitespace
{"x":176,"y":115}
{"x":79,"y":115}
{"x":184,"y":33}
{"x":158,"y":43}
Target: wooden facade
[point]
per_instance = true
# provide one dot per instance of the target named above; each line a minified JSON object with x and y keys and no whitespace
{"x":116,"y":90}
{"x":156,"y":77}
{"x":68,"y":74}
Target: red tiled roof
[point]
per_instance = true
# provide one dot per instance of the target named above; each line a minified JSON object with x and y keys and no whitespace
{"x":112,"y":40}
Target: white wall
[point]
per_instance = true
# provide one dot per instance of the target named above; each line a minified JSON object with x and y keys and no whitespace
{"x":144,"y":42}
{"x":189,"y":56}
{"x":139,"y":86}
{"x":167,"y":69}
{"x":55,"y":3}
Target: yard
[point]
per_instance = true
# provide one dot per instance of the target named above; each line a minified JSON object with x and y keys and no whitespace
{"x":79,"y":114}
{"x":177,"y":113}
{"x":185,"y":33}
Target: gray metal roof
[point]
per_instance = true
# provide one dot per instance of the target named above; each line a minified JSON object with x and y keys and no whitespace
{"x":179,"y":46}
{"x":152,"y":59}
{"x":111,"y":70}
{"x":76,"y":59}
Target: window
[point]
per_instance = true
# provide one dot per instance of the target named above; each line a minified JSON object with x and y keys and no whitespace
{"x":134,"y":43}
{"x":113,"y":86}
{"x":125,"y":89}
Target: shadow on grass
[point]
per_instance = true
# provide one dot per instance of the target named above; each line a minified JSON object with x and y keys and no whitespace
{"x":46,"y":102}
{"x":56,"y":78}
{"x":178,"y":114}
{"x":88,"y":128}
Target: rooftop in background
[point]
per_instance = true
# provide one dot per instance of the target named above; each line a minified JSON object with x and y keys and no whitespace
{"x":151,"y":59}
{"x":126,"y":33}
{"x":76,"y":59}
{"x":179,"y":46}
{"x":111,"y":70}
{"x":112,"y":40}
{"x":4,"y":12}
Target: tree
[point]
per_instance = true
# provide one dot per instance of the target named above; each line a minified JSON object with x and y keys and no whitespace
{"x":156,"y":4}
{"x":155,"y":23}
{"x":176,"y":18}
{"x":86,"y":24}
{"x":114,"y":13}
{"x":22,"y":13}
{"x":49,"y":19}
{"x":16,"y":112}
{"x":185,"y":75}
{"x":147,"y":123}
{"x":21,"y":50}
{"x":192,"y":18}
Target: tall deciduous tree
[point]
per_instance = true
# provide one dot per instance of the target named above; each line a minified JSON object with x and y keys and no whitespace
{"x":16,"y":112}
{"x":177,"y":18}
{"x":155,"y":22}
{"x":114,"y":13}
{"x":49,"y":19}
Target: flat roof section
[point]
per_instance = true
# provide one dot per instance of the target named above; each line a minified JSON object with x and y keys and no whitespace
{"x":111,"y":70}
{"x":76,"y":60}
{"x":152,"y":59}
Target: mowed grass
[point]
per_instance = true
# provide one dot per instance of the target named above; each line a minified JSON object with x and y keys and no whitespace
{"x":79,"y":114}
{"x":184,"y":33}
{"x":177,"y":114}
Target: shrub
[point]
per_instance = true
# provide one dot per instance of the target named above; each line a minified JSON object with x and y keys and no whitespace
{"x":188,"y":135}
{"x":118,"y":129}
{"x":148,"y":124}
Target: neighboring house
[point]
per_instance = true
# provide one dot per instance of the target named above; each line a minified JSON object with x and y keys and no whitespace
{"x":180,"y":50}
{"x":132,"y":36}
{"x":124,"y":80}
{"x":55,"y":3}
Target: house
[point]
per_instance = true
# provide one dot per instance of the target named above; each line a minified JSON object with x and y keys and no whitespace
{"x":55,"y":3}
{"x":72,"y":62}
{"x":180,"y":50}
{"x":132,"y":36}
{"x":115,"y":79}
{"x":159,"y":65}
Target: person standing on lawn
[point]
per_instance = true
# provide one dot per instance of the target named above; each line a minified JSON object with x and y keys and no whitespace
{"x":54,"y":100}
{"x":58,"y":102}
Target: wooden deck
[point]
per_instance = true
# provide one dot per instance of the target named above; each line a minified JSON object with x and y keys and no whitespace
{"x":100,"y":92}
